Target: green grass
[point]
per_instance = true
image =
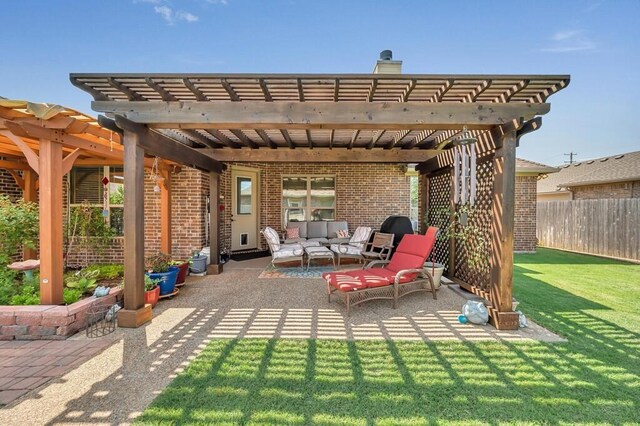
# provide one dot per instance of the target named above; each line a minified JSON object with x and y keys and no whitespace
{"x":594,"y":378}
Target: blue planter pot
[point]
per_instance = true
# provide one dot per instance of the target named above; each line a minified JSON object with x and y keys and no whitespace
{"x":167,"y":279}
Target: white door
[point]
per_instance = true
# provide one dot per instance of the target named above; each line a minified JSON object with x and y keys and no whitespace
{"x":244,"y":210}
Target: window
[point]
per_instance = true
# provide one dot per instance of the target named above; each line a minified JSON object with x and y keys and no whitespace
{"x":244,"y":191}
{"x":308,"y":198}
{"x":86,"y":186}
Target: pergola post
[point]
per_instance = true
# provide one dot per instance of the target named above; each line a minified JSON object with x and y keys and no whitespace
{"x":30,"y":193}
{"x":215,"y":267}
{"x":135,"y":312}
{"x":165,"y":212}
{"x":501,"y":279}
{"x":51,"y":245}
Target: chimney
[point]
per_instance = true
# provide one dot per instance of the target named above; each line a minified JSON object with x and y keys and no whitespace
{"x":386,"y":65}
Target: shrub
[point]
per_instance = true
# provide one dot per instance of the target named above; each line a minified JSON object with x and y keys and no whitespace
{"x":29,"y":294}
{"x":19,"y":225}
{"x":107,"y":272}
{"x":71,"y":295}
{"x":158,"y":263}
{"x":84,"y":280}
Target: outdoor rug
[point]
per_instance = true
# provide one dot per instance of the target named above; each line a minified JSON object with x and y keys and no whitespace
{"x":295,"y":272}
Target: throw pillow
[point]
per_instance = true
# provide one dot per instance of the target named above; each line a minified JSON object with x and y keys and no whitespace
{"x":342,"y":233}
{"x":293,"y":233}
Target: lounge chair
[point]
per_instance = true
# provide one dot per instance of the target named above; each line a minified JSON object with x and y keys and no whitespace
{"x":353,"y":249}
{"x":403,"y":274}
{"x":282,"y":253}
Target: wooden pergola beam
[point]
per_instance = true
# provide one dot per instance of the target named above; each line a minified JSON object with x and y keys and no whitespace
{"x":322,"y":155}
{"x":321,"y":115}
{"x":162,"y":146}
{"x":487,"y":141}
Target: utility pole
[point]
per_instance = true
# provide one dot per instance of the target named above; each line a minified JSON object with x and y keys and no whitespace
{"x":570,"y":155}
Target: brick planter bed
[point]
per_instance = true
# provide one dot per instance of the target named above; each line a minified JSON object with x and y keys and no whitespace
{"x":49,"y":322}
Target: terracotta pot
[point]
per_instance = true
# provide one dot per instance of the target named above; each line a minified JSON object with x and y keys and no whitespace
{"x":151,"y":297}
{"x":182,"y":273}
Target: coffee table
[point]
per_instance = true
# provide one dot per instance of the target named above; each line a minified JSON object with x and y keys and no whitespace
{"x":319,"y":252}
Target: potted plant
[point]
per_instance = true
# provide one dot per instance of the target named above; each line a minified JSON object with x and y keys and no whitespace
{"x":198,"y":263}
{"x":160,"y":268}
{"x":151,"y":291}
{"x":183,"y":266}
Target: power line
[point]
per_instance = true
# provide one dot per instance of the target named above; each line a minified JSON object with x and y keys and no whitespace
{"x":571,"y":155}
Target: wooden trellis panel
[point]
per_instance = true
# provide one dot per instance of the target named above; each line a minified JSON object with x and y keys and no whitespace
{"x":482,"y":219}
{"x":439,"y":202}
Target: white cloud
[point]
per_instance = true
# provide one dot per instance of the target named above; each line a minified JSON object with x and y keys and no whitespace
{"x":186,"y":16}
{"x":222,"y":2}
{"x":171,"y":17}
{"x":565,"y":41}
{"x":166,"y":12}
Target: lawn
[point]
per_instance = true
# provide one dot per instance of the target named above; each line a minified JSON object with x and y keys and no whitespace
{"x":593,"y":378}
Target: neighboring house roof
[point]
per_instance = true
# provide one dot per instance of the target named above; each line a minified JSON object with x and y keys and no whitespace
{"x":617,"y":168}
{"x":527,"y":166}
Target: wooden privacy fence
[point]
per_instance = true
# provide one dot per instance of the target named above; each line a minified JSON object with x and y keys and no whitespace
{"x":608,"y":227}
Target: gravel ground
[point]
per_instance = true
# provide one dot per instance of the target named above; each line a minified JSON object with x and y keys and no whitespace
{"x":117,"y":384}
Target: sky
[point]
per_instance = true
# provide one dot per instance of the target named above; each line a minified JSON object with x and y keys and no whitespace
{"x":597,"y":42}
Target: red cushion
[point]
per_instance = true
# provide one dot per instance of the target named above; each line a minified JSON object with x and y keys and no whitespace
{"x":391,"y":276}
{"x":413,"y":251}
{"x":356,"y":280}
{"x":342,"y":281}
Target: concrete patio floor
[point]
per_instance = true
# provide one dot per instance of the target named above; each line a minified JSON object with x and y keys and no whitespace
{"x":115,"y":385}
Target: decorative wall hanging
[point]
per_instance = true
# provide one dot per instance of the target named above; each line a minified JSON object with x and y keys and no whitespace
{"x":464,"y":168}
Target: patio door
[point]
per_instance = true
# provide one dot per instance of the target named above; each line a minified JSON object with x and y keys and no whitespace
{"x":244,"y":210}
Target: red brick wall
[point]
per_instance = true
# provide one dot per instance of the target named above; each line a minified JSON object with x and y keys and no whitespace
{"x":609,"y":190}
{"x":8,"y":186}
{"x":190,"y":189}
{"x":525,"y":214}
{"x":365,"y":193}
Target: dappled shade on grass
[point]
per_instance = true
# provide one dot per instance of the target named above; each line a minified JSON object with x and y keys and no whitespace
{"x":594,"y":377}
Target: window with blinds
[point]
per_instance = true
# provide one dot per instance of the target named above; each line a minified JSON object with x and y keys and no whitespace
{"x":86,"y":185}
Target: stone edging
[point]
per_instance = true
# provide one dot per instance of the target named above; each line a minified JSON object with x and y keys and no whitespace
{"x":49,"y":322}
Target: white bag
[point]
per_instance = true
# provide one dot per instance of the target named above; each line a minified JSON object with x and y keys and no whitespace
{"x":476,"y":312}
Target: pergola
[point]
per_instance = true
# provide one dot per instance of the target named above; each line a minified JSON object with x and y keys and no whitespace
{"x":389,"y":118}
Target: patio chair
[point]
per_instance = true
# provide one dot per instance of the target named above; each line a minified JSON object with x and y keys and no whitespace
{"x":403,"y":274}
{"x":379,"y":248}
{"x":353,"y":249}
{"x":281,"y":253}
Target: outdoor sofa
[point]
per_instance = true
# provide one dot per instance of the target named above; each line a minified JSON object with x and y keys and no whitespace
{"x":322,"y":231}
{"x":391,"y":279}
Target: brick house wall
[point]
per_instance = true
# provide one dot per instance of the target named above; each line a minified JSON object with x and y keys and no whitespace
{"x":8,"y":186}
{"x":525,"y":240}
{"x":608,"y":190}
{"x":366,"y":194}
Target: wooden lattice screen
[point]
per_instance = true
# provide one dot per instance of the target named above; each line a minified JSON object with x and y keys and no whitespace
{"x":440,"y":200}
{"x":482,"y":219}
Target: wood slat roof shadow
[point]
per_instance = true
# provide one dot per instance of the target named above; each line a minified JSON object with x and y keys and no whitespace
{"x":318,"y":89}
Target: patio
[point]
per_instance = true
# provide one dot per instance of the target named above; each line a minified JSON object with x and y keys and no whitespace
{"x":215,"y":308}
